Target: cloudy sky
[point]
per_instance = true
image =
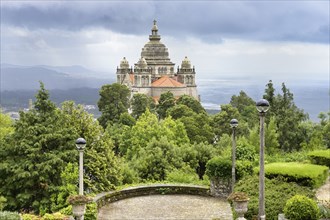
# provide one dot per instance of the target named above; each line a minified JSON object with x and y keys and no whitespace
{"x":221,"y":38}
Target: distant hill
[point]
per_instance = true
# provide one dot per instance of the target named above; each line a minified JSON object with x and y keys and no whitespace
{"x":14,"y":77}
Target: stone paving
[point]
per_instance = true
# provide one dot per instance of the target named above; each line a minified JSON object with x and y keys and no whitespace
{"x":167,"y":207}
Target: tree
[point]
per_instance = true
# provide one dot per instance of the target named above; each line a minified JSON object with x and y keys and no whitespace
{"x":287,"y":117}
{"x":178,"y":111}
{"x":166,"y":101}
{"x":139,"y":104}
{"x":114,"y":100}
{"x":157,"y":159}
{"x":246,"y":107}
{"x":220,"y":121}
{"x":198,"y":127}
{"x":148,"y":127}
{"x":6,"y":126}
{"x":37,"y":153}
{"x":34,"y":156}
{"x":192,"y":103}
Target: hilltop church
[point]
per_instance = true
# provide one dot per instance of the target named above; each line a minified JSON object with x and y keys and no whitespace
{"x":154,"y":73}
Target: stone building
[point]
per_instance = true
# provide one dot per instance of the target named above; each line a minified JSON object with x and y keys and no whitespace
{"x":155,"y":74}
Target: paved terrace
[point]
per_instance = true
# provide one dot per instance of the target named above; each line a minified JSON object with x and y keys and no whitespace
{"x":165,"y":202}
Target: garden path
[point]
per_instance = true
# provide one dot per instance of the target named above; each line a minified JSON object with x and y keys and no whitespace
{"x":323,"y":193}
{"x":169,"y":207}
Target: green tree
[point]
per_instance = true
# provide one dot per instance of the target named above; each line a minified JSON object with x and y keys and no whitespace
{"x":287,"y":117}
{"x":165,"y":102}
{"x":204,"y":153}
{"x":114,"y":100}
{"x":148,"y":127}
{"x":37,"y":153}
{"x":139,"y":104}
{"x":325,"y":124}
{"x":34,"y":156}
{"x":178,"y":111}
{"x":220,"y":121}
{"x":6,"y":126}
{"x":246,"y":108}
{"x":198,"y":127}
{"x":192,"y":103}
{"x":157,"y":159}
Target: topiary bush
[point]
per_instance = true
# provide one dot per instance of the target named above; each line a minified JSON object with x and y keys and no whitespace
{"x":301,"y":208}
{"x":277,"y":192}
{"x":320,"y":157}
{"x":219,"y":167}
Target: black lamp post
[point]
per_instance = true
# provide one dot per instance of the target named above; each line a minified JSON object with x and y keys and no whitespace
{"x":262,"y":107}
{"x":80,"y":144}
{"x":233,"y":125}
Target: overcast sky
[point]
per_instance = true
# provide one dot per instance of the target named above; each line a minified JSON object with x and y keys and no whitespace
{"x":221,"y":38}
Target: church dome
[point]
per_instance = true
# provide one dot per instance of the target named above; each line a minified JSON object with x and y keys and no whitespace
{"x":124,"y":64}
{"x":186,"y":63}
{"x":154,"y":49}
{"x":143,"y":63}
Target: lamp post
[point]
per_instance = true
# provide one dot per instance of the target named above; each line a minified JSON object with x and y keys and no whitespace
{"x":80,"y":144}
{"x":233,"y":125}
{"x":262,"y":107}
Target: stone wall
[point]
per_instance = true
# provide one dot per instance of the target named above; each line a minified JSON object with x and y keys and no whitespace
{"x":220,"y":187}
{"x":160,"y":189}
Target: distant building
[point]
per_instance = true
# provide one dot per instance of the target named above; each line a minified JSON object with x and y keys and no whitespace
{"x":154,"y":73}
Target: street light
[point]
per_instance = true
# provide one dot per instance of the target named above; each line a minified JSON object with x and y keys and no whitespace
{"x":80,"y":144}
{"x":233,"y":125}
{"x":262,"y":107}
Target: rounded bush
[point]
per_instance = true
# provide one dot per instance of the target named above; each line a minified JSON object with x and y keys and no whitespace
{"x":219,"y":167}
{"x":301,"y":208}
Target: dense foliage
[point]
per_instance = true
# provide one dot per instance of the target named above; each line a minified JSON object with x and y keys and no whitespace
{"x":277,"y":192}
{"x":301,"y":208}
{"x":138,"y":140}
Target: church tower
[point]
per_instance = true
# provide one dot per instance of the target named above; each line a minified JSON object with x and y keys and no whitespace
{"x":186,"y":74}
{"x":123,"y":73}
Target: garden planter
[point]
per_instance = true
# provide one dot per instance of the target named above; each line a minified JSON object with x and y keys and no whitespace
{"x":78,"y":210}
{"x":241,"y":207}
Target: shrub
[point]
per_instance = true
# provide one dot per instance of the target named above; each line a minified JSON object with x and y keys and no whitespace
{"x":91,"y":211}
{"x":320,"y":157}
{"x":301,"y":208}
{"x":181,"y":176}
{"x":9,"y":216}
{"x":296,"y":156}
{"x":219,"y":167}
{"x":245,"y":151}
{"x":305,"y":174}
{"x":324,"y":207}
{"x":277,"y":192}
{"x":243,"y":168}
{"x":54,"y":216}
{"x":30,"y":217}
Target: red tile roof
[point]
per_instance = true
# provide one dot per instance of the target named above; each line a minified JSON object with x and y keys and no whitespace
{"x":165,"y":81}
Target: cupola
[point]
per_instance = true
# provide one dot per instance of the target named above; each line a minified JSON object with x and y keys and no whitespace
{"x":186,"y":63}
{"x":124,"y":64}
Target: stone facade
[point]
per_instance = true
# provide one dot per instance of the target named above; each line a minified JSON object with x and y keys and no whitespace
{"x":155,"y":74}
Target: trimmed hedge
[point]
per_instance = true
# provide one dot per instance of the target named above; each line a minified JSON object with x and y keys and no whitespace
{"x":320,"y":157}
{"x":277,"y":192}
{"x":219,"y":167}
{"x":304,"y":174}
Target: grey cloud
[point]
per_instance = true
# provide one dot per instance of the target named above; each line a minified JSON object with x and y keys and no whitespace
{"x":211,"y":21}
